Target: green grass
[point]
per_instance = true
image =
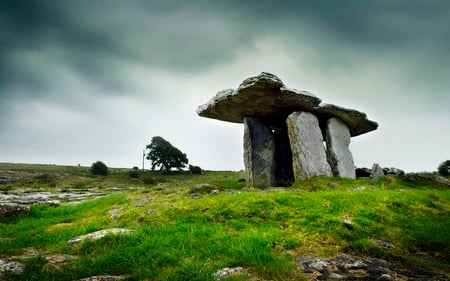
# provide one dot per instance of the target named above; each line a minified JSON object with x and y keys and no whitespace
{"x":262,"y":231}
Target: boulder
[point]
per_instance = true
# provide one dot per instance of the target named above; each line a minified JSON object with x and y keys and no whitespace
{"x":308,"y":152}
{"x":259,"y":153}
{"x":338,"y":151}
{"x":10,"y":268}
{"x":11,"y":210}
{"x":377,"y":171}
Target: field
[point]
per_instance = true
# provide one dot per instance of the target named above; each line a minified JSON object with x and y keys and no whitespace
{"x":178,"y":236}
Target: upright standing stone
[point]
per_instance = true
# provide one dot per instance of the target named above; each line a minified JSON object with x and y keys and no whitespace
{"x":377,"y":171}
{"x":308,"y":152}
{"x":259,"y":153}
{"x":338,"y":151}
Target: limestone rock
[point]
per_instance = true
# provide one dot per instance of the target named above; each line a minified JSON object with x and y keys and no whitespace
{"x":259,"y":153}
{"x":263,"y":96}
{"x":11,"y":210}
{"x":203,"y":188}
{"x":308,"y":152}
{"x":98,"y":235}
{"x":228,"y":272}
{"x":377,"y":171}
{"x":103,"y":278}
{"x":10,"y":268}
{"x":393,"y":171}
{"x":356,"y":121}
{"x":338,"y":151}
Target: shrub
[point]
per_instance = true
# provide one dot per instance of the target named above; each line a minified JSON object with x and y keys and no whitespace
{"x":444,"y":168}
{"x":99,"y":168}
{"x":149,"y":180}
{"x":134,"y":173}
{"x":196,"y":170}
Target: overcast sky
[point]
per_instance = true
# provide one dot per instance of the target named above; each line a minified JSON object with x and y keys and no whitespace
{"x":88,"y":80}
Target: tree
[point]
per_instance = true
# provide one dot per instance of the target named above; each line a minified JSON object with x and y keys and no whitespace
{"x":444,"y":168}
{"x":99,"y":168}
{"x":162,"y":154}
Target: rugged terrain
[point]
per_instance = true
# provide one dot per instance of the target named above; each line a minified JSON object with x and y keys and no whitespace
{"x":150,"y":226}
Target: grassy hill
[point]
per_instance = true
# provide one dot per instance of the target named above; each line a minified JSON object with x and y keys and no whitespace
{"x":180,"y":237}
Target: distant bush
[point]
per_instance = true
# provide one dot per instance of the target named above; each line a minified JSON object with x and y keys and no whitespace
{"x":196,"y":170}
{"x":134,"y":173}
{"x":444,"y":168}
{"x":149,"y":180}
{"x":99,"y":168}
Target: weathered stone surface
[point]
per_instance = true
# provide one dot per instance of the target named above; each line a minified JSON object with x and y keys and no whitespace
{"x":263,"y":96}
{"x":228,"y":272}
{"x":10,"y":210}
{"x":259,"y":153}
{"x":308,"y":151}
{"x":103,"y":278}
{"x":203,"y":188}
{"x":98,"y":235}
{"x":377,"y":171}
{"x":356,"y":121}
{"x":393,"y":171}
{"x":10,"y":268}
{"x":347,"y":267}
{"x":362,"y":172}
{"x":338,"y":151}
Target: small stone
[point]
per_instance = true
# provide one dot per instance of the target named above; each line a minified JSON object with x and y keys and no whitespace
{"x":227,"y":272}
{"x":103,"y":278}
{"x":332,"y":185}
{"x":385,"y":277}
{"x":336,"y":276}
{"x":10,"y":268}
{"x":214,"y":192}
{"x":116,"y":213}
{"x":98,"y":235}
{"x":384,"y":245}
{"x":196,"y":196}
{"x":202,"y":188}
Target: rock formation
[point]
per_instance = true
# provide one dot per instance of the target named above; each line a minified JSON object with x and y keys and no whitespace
{"x":284,"y":131}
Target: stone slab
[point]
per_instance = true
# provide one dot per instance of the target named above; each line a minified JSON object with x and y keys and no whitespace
{"x":338,"y":151}
{"x":259,"y":153}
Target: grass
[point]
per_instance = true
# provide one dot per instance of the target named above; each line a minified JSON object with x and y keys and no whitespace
{"x":262,"y":231}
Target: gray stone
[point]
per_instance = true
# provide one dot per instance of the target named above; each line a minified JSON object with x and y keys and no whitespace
{"x":227,"y":272}
{"x":377,"y":171}
{"x":103,"y":278}
{"x":356,"y":121}
{"x":8,"y":268}
{"x":11,"y":210}
{"x":259,"y":153}
{"x":338,"y":150}
{"x":263,"y":96}
{"x":308,"y":151}
{"x":202,"y":188}
{"x":98,"y":235}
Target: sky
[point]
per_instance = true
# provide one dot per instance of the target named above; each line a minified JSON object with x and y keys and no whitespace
{"x":92,"y":80}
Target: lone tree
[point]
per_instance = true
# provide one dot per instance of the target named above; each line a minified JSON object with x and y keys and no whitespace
{"x":444,"y":168}
{"x":164,"y":155}
{"x":99,"y":168}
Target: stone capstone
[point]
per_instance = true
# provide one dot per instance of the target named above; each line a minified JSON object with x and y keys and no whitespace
{"x":259,"y":153}
{"x":308,"y":152}
{"x":338,"y":151}
{"x":264,"y":96}
{"x":12,"y":210}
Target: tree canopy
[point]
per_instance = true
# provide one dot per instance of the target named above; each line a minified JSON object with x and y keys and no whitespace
{"x":164,"y":155}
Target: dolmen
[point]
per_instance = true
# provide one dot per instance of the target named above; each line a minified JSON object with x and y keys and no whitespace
{"x":288,"y":134}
